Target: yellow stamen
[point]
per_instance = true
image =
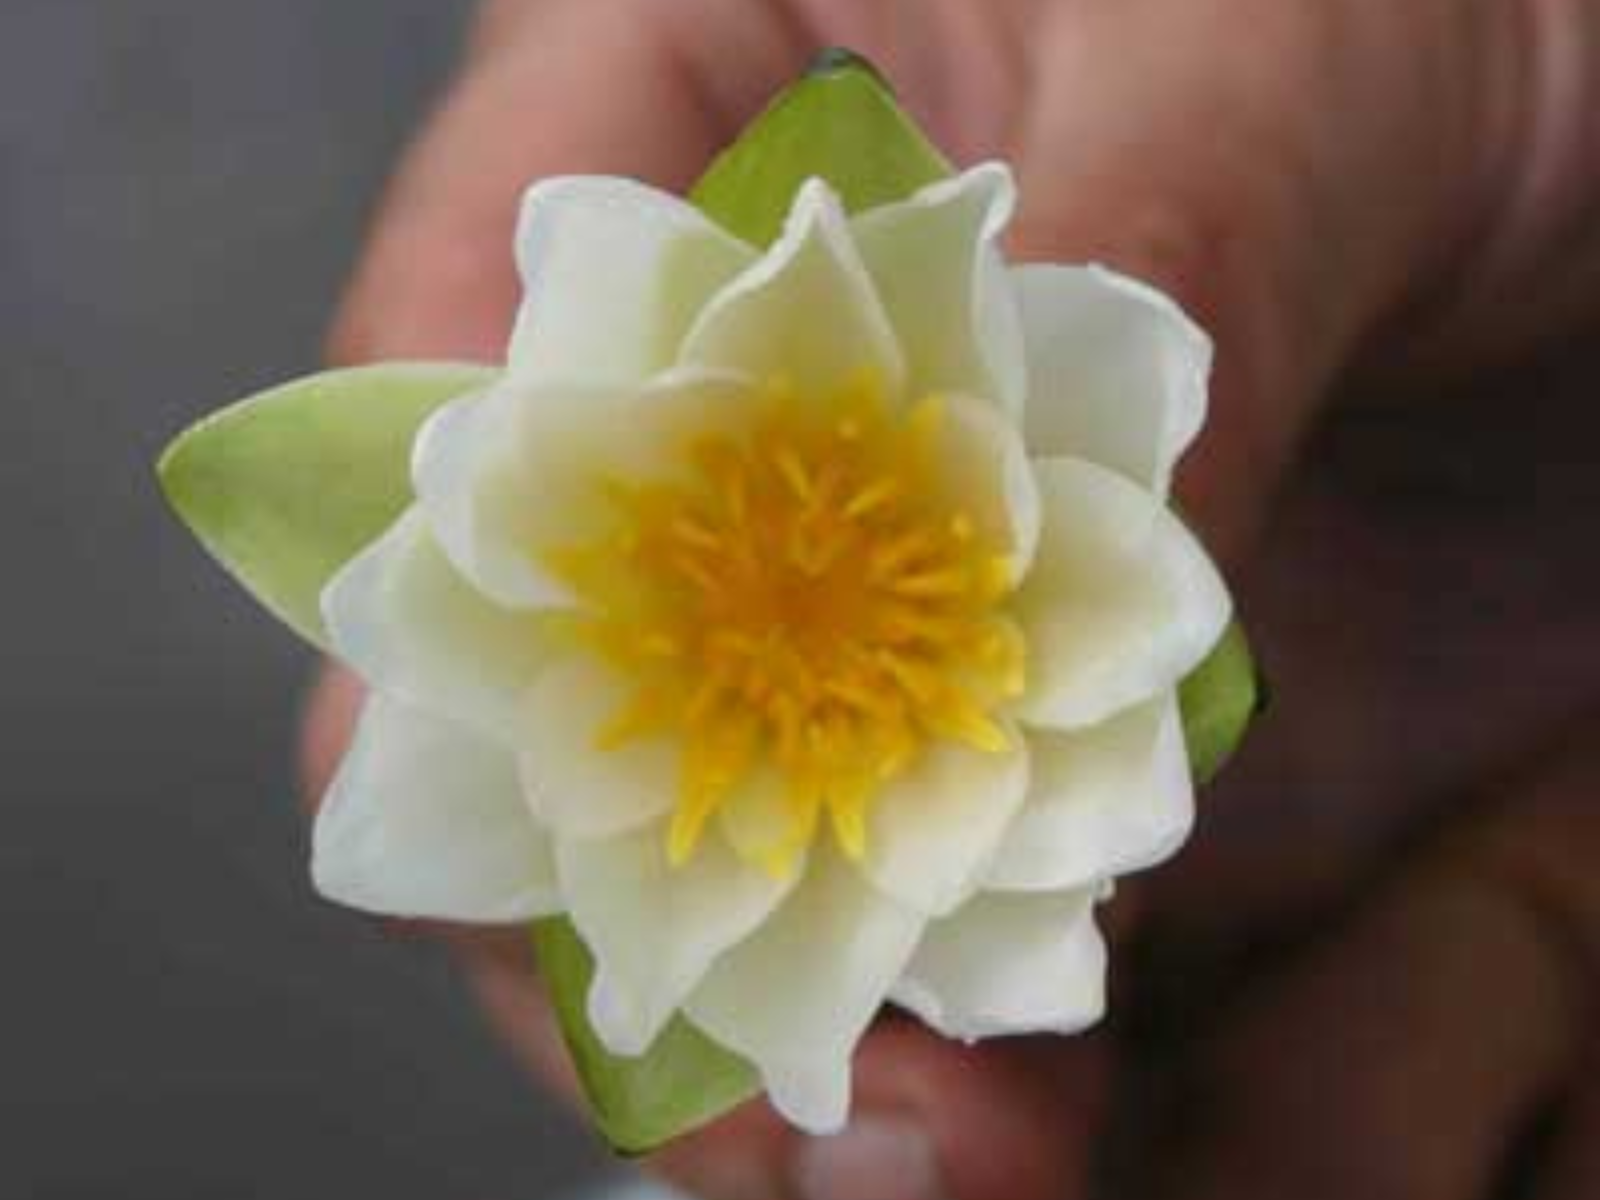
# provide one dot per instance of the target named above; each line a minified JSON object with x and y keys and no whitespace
{"x":874,"y":496}
{"x":804,"y":599}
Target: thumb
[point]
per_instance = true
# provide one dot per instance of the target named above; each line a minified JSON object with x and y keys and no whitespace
{"x":932,"y":1120}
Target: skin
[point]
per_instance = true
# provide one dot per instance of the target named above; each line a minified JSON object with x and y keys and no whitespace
{"x":1397,"y":198}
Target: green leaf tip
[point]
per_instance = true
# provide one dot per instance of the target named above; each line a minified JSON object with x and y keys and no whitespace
{"x":1218,"y":700}
{"x":683,"y":1081}
{"x":841,"y":58}
{"x":286,"y":487}
{"x":839,"y":122}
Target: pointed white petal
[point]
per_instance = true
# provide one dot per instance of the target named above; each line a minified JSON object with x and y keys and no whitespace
{"x":932,"y":832}
{"x":1010,"y":963}
{"x":1116,"y":372}
{"x":577,"y":788}
{"x":401,"y":616}
{"x":425,"y":819}
{"x":796,"y":996}
{"x":614,"y":273}
{"x":945,"y":287}
{"x":1113,"y":798}
{"x":654,"y":928}
{"x":987,"y":472}
{"x":1121,"y":602}
{"x":806,"y":312}
{"x":506,"y":476}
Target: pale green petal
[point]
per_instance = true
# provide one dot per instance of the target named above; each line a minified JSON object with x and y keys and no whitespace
{"x":285,"y":487}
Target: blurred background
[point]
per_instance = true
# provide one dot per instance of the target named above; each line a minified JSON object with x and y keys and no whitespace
{"x":183,"y":185}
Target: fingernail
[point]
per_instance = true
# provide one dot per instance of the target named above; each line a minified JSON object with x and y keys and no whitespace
{"x":875,"y":1158}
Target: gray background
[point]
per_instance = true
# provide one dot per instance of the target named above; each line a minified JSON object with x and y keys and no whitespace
{"x":182,"y":186}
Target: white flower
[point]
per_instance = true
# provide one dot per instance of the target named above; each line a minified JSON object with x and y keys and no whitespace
{"x":804,"y":624}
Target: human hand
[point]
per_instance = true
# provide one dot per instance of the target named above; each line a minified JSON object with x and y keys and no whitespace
{"x":1345,"y":182}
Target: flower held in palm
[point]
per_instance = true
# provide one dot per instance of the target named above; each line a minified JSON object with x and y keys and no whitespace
{"x":796,"y":624}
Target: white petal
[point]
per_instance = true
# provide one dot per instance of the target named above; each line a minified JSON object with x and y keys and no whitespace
{"x":806,"y":312}
{"x":577,"y":788}
{"x":425,"y":819}
{"x":796,"y":996}
{"x":462,"y":450}
{"x":988,"y":473}
{"x":945,"y":287}
{"x":614,"y":273}
{"x":1121,"y":602}
{"x":1113,"y":798}
{"x":653,"y":928}
{"x":1008,"y":963}
{"x":1116,"y":372}
{"x":510,"y":474}
{"x":410,"y":625}
{"x":932,"y":832}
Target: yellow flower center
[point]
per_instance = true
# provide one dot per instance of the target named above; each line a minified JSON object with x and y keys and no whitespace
{"x":805,"y":604}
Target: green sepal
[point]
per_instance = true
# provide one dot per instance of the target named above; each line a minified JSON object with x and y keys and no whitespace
{"x":285,"y":487}
{"x":1218,"y":700}
{"x":680,"y":1083}
{"x":839,"y":123}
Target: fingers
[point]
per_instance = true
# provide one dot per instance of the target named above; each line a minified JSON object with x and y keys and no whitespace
{"x":1012,"y":1120}
{"x":932,"y":1120}
{"x":1543,"y":851}
{"x":499,"y":966}
{"x":1534,"y":272}
{"x":552,"y":87}
{"x":1400,"y":1061}
{"x":1293,"y":187}
{"x":1540,"y":847}
{"x":1572,"y":1169}
{"x":1405,"y":1057}
{"x":329,"y":722}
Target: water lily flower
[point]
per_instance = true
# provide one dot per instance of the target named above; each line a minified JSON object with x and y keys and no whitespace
{"x":804,"y":624}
